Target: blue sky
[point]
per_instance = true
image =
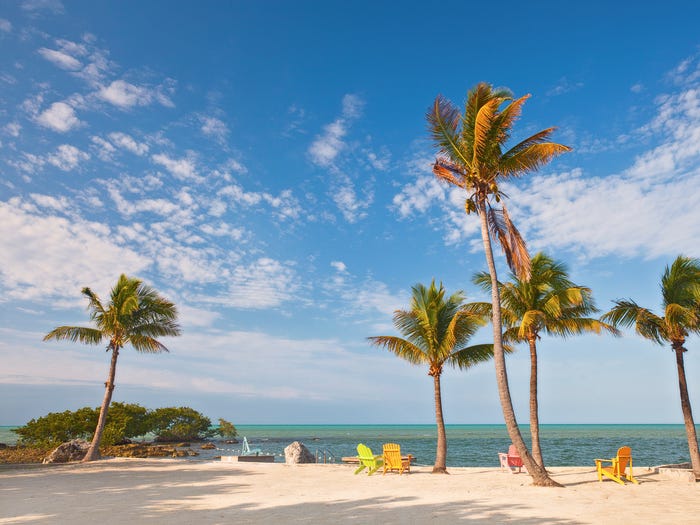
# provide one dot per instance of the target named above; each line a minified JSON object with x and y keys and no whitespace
{"x":266,"y":166}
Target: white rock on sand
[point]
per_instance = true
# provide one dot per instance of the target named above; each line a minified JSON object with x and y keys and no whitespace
{"x":136,"y":491}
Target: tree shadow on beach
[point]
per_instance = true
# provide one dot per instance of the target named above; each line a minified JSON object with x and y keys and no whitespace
{"x":221,"y":495}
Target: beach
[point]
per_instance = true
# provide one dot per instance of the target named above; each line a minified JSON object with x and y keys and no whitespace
{"x":170,"y":491}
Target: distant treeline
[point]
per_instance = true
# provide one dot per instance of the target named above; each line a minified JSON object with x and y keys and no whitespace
{"x":124,"y":422}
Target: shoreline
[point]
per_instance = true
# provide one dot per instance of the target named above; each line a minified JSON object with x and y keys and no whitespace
{"x":180,"y":492}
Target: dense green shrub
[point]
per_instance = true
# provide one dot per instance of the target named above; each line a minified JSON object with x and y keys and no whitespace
{"x":124,"y":421}
{"x":226,"y":429}
{"x":180,"y":424}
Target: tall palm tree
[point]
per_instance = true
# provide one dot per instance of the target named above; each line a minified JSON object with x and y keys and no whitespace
{"x":471,"y":156}
{"x":548,"y":302}
{"x":136,"y":315}
{"x":680,"y":290}
{"x":436,"y":330}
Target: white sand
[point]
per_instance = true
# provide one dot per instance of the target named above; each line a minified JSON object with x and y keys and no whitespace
{"x":136,"y":491}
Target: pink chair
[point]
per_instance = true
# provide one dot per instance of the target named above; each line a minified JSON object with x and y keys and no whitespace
{"x":511,"y":460}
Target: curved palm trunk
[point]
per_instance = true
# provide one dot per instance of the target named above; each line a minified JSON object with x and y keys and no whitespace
{"x":93,"y":452}
{"x":441,"y":452}
{"x":534,"y":408}
{"x":687,"y":412}
{"x":539,"y":475}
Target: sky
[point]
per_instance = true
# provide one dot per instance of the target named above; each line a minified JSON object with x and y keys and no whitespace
{"x":266,"y":166}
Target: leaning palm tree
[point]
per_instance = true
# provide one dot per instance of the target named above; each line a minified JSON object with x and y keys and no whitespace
{"x":548,"y":302}
{"x":680,"y":290}
{"x":436,"y":330}
{"x":136,"y":315}
{"x":471,"y":156}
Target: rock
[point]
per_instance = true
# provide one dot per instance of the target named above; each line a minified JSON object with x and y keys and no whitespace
{"x":296,"y":453}
{"x":74,"y":450}
{"x":2,"y":445}
{"x":208,"y":446}
{"x":231,"y":441}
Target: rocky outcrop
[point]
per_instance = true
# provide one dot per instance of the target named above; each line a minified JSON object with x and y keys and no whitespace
{"x":296,"y":453}
{"x":74,"y":450}
{"x":138,"y":450}
{"x":208,"y":446}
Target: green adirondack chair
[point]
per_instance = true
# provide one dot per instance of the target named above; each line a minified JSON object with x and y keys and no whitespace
{"x":368,"y":460}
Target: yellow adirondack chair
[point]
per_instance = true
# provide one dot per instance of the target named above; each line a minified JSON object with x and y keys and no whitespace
{"x":367,"y":460}
{"x":618,"y":467}
{"x":393,"y":459}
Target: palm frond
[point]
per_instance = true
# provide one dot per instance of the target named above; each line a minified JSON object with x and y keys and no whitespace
{"x":449,"y":172}
{"x":470,"y":356}
{"x":443,"y":124}
{"x":85,"y":335}
{"x":627,"y":313}
{"x":530,"y":158}
{"x":146,"y":344}
{"x":511,"y":241}
{"x":401,"y":347}
{"x":505,"y":120}
{"x":483,"y":126}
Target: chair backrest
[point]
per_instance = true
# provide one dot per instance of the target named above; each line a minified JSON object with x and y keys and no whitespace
{"x":624,"y":456}
{"x":514,"y":459}
{"x":392,"y":454}
{"x":364,"y":452}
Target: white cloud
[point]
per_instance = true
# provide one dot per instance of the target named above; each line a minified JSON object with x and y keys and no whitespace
{"x":13,"y":129}
{"x":47,"y":257}
{"x":59,"y":117}
{"x":128,"y":143}
{"x":266,"y":283}
{"x":126,"y":95}
{"x":327,"y":146}
{"x":564,"y":86}
{"x":5,"y":25}
{"x":67,"y":157}
{"x":214,"y":127}
{"x":105,"y":150}
{"x":339,"y":266}
{"x":182,"y":169}
{"x":349,"y":203}
{"x":60,"y":59}
{"x":637,"y":88}
{"x":54,"y":6}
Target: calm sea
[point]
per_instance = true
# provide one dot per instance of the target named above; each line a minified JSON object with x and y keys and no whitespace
{"x":467,"y":445}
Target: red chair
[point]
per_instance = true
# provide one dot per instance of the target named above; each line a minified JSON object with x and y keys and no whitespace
{"x":511,"y":460}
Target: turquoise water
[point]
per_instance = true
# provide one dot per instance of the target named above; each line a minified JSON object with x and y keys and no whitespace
{"x":467,"y":445}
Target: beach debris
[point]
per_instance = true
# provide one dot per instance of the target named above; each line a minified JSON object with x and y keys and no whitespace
{"x":296,"y":453}
{"x":73,"y":450}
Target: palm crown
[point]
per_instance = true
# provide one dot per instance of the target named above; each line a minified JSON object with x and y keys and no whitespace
{"x":471,"y":156}
{"x":136,"y":314}
{"x":436,"y":329}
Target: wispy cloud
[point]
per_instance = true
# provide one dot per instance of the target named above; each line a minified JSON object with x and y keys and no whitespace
{"x":326,"y":147}
{"x":61,"y":59}
{"x":126,"y":95}
{"x":564,"y":85}
{"x":5,"y":25}
{"x":59,"y":117}
{"x":67,"y":157}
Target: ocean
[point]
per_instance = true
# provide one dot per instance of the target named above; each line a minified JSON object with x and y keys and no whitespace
{"x":467,"y":445}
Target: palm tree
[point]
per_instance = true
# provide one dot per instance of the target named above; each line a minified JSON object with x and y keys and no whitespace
{"x":137,"y":315}
{"x":471,"y":156}
{"x":680,"y":290}
{"x":436,"y":330}
{"x":548,"y":302}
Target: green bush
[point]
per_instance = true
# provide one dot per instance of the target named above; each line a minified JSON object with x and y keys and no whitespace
{"x":226,"y":429}
{"x":180,"y":424}
{"x":124,"y":421}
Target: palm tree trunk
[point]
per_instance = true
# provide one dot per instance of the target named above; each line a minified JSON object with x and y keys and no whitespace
{"x":534,"y":408}
{"x":539,"y":475}
{"x":93,"y":452}
{"x":687,"y":412}
{"x":441,"y":453}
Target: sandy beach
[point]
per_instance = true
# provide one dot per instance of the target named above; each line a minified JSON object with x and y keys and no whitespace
{"x":170,"y":491}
